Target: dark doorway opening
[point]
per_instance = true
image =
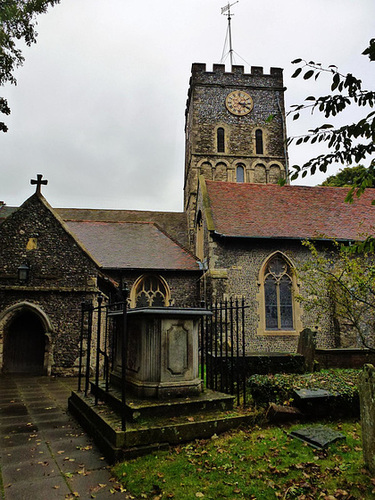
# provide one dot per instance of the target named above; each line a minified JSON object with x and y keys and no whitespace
{"x":24,"y":345}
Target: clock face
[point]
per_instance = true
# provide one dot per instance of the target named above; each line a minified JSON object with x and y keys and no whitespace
{"x":239,"y":103}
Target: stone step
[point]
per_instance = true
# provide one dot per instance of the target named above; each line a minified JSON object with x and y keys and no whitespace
{"x":145,"y":436}
{"x":138,"y":409}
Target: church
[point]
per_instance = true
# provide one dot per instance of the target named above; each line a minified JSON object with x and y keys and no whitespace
{"x":240,"y":235}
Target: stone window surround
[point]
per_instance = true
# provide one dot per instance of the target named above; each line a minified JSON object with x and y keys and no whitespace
{"x":138,"y":282}
{"x":263,"y":141}
{"x":260,"y":299}
{"x":226,"y":136}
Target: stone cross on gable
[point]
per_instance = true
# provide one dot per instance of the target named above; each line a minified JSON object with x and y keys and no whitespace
{"x":38,"y":181}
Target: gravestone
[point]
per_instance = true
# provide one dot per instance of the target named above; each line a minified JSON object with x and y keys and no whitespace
{"x":366,"y":388}
{"x":306,"y":347}
{"x":317,"y":436}
{"x":278,"y":413}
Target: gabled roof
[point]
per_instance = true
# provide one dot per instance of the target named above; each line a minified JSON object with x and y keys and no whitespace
{"x":132,"y":245}
{"x":295,"y":212}
{"x":173,"y":223}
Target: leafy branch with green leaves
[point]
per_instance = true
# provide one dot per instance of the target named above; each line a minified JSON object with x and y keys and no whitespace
{"x":340,"y":285}
{"x":17,"y":22}
{"x":349,"y":144}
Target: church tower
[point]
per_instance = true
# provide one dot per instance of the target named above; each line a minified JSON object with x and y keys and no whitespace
{"x":234,"y":129}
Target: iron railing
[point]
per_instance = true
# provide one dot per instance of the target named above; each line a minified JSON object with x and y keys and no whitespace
{"x":223,"y":348}
{"x":101,"y":327}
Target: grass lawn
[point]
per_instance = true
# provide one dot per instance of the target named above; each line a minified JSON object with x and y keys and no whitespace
{"x":260,"y":463}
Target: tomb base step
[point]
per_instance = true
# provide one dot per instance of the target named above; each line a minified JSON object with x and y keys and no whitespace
{"x":147,"y":435}
{"x":138,"y":409}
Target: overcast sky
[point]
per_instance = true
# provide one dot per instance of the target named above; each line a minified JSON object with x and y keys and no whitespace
{"x":100,"y":101}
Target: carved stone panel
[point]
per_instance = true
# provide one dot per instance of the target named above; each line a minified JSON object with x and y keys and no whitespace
{"x":177,"y":350}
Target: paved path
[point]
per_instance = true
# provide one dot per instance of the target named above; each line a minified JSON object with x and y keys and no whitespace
{"x":44,"y":454}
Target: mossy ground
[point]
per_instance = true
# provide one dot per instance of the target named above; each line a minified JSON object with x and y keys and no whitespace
{"x":257,"y":463}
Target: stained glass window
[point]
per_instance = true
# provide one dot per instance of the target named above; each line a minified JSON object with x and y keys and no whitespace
{"x":151,"y":292}
{"x":278,"y":295}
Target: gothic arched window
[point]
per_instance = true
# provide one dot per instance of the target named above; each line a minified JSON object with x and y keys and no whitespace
{"x":150,"y":291}
{"x":240,"y":173}
{"x":220,"y":140}
{"x":259,"y":142}
{"x":278,"y":294}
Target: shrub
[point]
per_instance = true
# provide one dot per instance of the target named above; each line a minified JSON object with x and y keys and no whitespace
{"x":279,"y":388}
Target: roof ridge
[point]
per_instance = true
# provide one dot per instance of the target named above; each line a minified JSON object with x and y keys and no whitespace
{"x":108,"y":221}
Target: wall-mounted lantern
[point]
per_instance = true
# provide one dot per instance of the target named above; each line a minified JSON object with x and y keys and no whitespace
{"x":23,"y":272}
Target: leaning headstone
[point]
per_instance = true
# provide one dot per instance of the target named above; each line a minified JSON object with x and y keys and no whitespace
{"x":306,"y":347}
{"x":318,"y":436}
{"x":278,"y":413}
{"x":366,"y":387}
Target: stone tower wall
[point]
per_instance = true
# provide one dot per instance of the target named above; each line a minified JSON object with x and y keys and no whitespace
{"x":206,"y":112}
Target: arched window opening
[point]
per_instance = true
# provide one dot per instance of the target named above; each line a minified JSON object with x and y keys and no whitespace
{"x":240,"y":173}
{"x":259,"y":142}
{"x":220,"y":140}
{"x":151,"y":292}
{"x":278,"y":296}
{"x":275,"y":174}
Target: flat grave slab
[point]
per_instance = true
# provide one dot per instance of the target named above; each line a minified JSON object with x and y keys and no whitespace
{"x":307,"y":394}
{"x":317,"y":436}
{"x":314,"y":402}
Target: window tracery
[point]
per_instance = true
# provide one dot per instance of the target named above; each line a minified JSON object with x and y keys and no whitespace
{"x":150,"y":291}
{"x":278,"y":296}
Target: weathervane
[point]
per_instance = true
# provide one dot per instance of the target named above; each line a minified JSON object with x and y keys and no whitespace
{"x":226,"y":11}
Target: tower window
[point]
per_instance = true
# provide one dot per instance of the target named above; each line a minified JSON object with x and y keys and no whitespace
{"x":220,"y":140}
{"x":259,"y":142}
{"x":240,"y":173}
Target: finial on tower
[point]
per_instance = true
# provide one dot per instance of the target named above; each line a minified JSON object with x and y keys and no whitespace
{"x":226,"y":11}
{"x":38,"y":181}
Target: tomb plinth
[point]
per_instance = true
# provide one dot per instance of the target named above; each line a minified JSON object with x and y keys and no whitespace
{"x":161,"y":353}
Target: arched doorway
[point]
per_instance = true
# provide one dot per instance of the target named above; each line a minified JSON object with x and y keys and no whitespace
{"x":24,"y":344}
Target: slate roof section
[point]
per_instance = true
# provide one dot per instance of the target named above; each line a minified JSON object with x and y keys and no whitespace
{"x":173,"y":223}
{"x":294,"y":212}
{"x":132,"y":245}
{"x":6,"y":211}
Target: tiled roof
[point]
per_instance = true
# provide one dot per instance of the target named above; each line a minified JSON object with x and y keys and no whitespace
{"x":173,"y":223}
{"x":132,"y":245}
{"x":272,"y":211}
{"x":5,"y":211}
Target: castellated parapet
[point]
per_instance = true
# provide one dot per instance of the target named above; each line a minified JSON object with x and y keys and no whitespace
{"x":236,"y":78}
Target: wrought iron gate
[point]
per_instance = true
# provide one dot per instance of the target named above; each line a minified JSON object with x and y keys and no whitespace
{"x":223,"y":348}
